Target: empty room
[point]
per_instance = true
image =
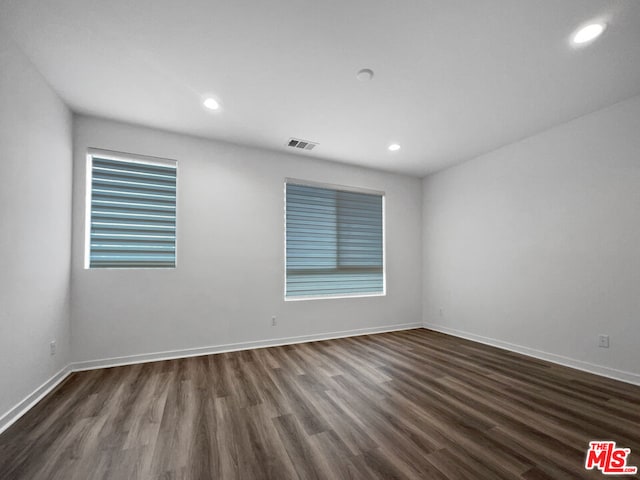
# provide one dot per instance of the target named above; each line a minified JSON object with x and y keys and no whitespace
{"x":300,"y":239}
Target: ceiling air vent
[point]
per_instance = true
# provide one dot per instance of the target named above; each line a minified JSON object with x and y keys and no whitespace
{"x":301,"y":144}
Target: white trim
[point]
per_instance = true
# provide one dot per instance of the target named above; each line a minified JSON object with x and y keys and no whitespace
{"x":88,"y":192}
{"x":333,"y":186}
{"x":333,"y":296}
{"x":384,"y":244}
{"x":284,"y":243}
{"x":10,"y":417}
{"x":127,"y":158}
{"x":132,"y":157}
{"x":621,"y":375}
{"x":234,"y":347}
{"x":343,"y":188}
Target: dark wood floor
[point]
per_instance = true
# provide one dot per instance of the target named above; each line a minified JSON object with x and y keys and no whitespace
{"x":412,"y":404}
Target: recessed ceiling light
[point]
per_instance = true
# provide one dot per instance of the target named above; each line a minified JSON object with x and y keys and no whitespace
{"x":394,"y":147}
{"x":211,"y":104}
{"x":365,"y":75}
{"x":588,"y":33}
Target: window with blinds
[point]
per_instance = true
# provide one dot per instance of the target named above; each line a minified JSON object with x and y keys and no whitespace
{"x":334,"y":242}
{"x":132,"y":213}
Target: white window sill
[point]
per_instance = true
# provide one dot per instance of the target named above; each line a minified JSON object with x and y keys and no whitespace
{"x":330,"y":297}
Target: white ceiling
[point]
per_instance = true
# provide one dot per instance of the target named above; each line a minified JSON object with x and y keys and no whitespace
{"x":453,"y":78}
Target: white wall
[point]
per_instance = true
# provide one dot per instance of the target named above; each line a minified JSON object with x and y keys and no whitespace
{"x":537,"y":244}
{"x":230,"y":274}
{"x":35,"y":223}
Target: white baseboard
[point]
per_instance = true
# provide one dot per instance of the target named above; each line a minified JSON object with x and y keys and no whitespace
{"x":608,"y":372}
{"x":234,"y":347}
{"x":10,"y":417}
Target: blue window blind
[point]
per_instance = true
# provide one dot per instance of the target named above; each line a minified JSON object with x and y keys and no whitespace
{"x":334,"y":242}
{"x":133,"y":214}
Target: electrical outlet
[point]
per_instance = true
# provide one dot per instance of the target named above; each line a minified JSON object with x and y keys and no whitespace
{"x":442,"y":312}
{"x":52,"y":347}
{"x":603,"y":341}
{"x":274,"y":322}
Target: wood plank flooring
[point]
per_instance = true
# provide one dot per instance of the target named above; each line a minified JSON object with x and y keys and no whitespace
{"x":405,"y":405}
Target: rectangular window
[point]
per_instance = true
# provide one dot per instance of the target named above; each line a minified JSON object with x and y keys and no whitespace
{"x":131,"y":212}
{"x":334,"y":242}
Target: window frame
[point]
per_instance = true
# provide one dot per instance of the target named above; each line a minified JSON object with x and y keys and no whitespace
{"x":344,"y":188}
{"x":123,"y":157}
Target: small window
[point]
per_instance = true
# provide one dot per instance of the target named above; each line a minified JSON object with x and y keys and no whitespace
{"x":131,"y":212}
{"x":334,"y":242}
